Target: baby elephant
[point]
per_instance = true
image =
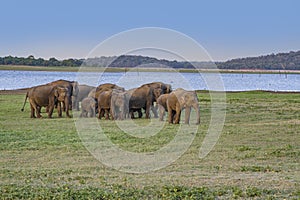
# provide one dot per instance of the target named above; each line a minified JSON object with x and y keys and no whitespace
{"x":88,"y":106}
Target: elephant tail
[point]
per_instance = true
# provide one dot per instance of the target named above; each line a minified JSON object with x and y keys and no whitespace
{"x":22,"y":109}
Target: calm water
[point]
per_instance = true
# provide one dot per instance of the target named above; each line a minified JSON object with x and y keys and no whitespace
{"x":212,"y":81}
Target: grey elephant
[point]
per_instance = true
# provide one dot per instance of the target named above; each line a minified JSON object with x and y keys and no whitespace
{"x":182,"y":99}
{"x":44,"y":96}
{"x":88,"y":107}
{"x":83,"y":92}
{"x":119,"y":105}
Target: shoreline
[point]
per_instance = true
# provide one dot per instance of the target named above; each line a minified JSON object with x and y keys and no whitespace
{"x":102,"y":69}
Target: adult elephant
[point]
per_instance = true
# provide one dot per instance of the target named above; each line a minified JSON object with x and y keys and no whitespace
{"x":107,"y":87}
{"x":44,"y":96}
{"x":141,"y":97}
{"x":83,"y":92}
{"x":72,"y":87}
{"x":95,"y":93}
{"x":119,"y":104}
{"x":158,"y":87}
{"x":104,"y":101}
{"x":166,"y":88}
{"x":162,"y":105}
{"x":182,"y":99}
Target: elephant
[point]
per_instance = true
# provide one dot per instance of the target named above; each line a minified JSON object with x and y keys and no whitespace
{"x":83,"y":92}
{"x":72,"y":87}
{"x":141,"y":97}
{"x":119,"y":104}
{"x":44,"y":96}
{"x":181,"y":99}
{"x":88,"y":106}
{"x":162,"y":105}
{"x":101,"y":88}
{"x":166,"y":88}
{"x":104,"y":101}
{"x":64,"y":99}
{"x":158,"y":88}
{"x":107,"y":87}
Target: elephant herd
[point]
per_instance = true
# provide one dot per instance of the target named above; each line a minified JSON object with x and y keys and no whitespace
{"x":111,"y":101}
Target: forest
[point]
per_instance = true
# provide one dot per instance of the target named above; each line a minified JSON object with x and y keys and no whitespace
{"x":280,"y":61}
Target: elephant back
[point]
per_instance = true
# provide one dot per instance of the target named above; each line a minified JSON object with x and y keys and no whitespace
{"x":107,"y":87}
{"x":41,"y":94}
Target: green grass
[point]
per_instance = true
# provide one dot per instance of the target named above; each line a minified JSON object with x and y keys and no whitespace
{"x":257,"y":155}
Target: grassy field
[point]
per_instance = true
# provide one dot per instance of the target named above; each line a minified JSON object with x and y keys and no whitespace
{"x":257,"y":155}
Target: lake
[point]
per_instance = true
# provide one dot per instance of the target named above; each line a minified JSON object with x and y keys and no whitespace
{"x":11,"y":79}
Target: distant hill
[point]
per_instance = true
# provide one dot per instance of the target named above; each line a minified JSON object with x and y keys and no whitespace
{"x":280,"y":61}
{"x":286,"y":61}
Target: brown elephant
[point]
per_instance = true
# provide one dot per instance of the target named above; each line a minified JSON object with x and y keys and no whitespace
{"x":104,"y":101}
{"x":83,"y":92}
{"x":162,"y":105}
{"x":141,"y":97}
{"x":158,"y":89}
{"x":88,"y":107}
{"x":107,"y":87}
{"x":166,"y":88}
{"x":64,"y":99}
{"x":44,"y":96}
{"x":119,"y":105}
{"x":182,"y":99}
{"x":72,"y":87}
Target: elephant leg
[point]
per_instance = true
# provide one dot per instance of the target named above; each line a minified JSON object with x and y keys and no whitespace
{"x":35,"y":108}
{"x":170,"y":117}
{"x":132,"y":114}
{"x":148,"y":106}
{"x":92,"y":112}
{"x":63,"y":106}
{"x":106,"y":114}
{"x":177,"y":117}
{"x":161,"y":112}
{"x":51,"y":107}
{"x":99,"y":112}
{"x":32,"y":115}
{"x":67,"y":105}
{"x":59,"y":111}
{"x":187,"y":115}
{"x":140,"y":113}
{"x":154,"y":110}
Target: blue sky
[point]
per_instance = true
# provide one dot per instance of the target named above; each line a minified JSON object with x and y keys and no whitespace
{"x":226,"y":29}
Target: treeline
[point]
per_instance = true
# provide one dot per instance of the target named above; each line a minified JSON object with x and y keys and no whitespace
{"x":31,"y":61}
{"x":280,"y":61}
